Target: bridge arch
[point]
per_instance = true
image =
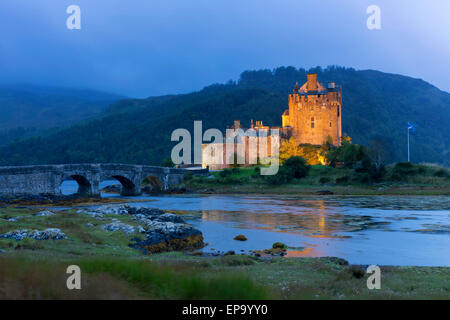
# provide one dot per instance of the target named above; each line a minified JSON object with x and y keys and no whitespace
{"x":128,"y":186}
{"x":84,"y":185}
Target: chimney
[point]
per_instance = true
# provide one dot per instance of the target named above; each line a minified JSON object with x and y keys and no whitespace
{"x":312,"y":82}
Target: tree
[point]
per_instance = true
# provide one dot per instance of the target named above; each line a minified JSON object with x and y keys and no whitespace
{"x":297,"y":167}
{"x":311,"y":153}
{"x":347,"y":153}
{"x":167,"y":162}
{"x":289,"y":148}
{"x":380,"y":150}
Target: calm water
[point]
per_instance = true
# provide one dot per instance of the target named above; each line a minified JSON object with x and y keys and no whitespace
{"x":389,"y":230}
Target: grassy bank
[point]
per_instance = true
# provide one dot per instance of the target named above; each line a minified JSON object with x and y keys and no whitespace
{"x":421,"y":180}
{"x":27,"y":275}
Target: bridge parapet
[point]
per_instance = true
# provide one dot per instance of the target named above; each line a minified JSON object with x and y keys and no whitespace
{"x":47,"y":179}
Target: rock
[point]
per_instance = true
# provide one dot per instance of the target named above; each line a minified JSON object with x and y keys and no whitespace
{"x":168,"y":236}
{"x":229,"y":253}
{"x":89,"y":225}
{"x":339,"y":261}
{"x":13,"y":219}
{"x":117,"y":210}
{"x":106,"y":210}
{"x":47,"y":234}
{"x":240,"y":237}
{"x":140,"y":229}
{"x":178,"y":189}
{"x":1,"y":251}
{"x":93,"y":214}
{"x":279,"y":245}
{"x":119,"y":226}
{"x":150,"y":189}
{"x":45,"y":213}
{"x":324,"y":192}
{"x":170,"y":217}
{"x":145,"y":211}
{"x":115,"y":188}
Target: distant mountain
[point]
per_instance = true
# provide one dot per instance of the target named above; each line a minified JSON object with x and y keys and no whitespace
{"x":25,"y":109}
{"x":376,"y":106}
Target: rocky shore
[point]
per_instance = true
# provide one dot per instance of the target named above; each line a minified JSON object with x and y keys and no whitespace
{"x":150,"y":230}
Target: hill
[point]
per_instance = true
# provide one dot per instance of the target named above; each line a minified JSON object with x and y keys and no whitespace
{"x":26,"y":109}
{"x":376,"y":106}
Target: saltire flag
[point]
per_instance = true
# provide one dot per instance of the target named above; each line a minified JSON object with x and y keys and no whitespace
{"x":411,"y":127}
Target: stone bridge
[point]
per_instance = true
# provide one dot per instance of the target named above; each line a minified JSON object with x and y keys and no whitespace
{"x":47,"y":179}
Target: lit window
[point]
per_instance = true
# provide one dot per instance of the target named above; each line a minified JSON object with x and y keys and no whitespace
{"x":312,"y":122}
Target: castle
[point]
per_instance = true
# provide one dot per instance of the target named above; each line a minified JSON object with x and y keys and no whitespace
{"x":313,"y":117}
{"x":314,"y":113}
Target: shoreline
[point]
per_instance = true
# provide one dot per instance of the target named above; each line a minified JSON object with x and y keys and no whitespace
{"x":266,"y":274}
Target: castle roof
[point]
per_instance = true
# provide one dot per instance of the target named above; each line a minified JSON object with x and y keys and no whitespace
{"x":319,"y":88}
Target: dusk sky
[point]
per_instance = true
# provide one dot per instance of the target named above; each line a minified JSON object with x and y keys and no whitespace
{"x":152,"y":47}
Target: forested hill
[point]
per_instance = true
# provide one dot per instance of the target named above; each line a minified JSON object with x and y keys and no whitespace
{"x":26,"y":109}
{"x":376,"y":106}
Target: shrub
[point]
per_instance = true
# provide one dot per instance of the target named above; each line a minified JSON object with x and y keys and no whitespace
{"x":167,"y":163}
{"x":233,"y":180}
{"x":441,"y":173}
{"x":342,"y":180}
{"x":225,"y":173}
{"x":283,"y":176}
{"x":324,"y":180}
{"x":403,"y":170}
{"x":297,"y":166}
{"x":188,"y":176}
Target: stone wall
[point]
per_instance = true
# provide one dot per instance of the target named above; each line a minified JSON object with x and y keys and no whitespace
{"x":36,"y":180}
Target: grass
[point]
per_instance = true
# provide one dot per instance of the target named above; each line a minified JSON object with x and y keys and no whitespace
{"x":82,"y":239}
{"x":425,"y":179}
{"x":179,"y":276}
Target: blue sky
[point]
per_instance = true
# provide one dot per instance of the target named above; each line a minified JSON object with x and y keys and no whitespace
{"x":152,"y":47}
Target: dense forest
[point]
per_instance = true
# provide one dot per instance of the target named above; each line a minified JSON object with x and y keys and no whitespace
{"x":376,"y":107}
{"x":27,"y":109}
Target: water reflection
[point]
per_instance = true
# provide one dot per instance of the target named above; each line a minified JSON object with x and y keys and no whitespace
{"x":367,"y":230}
{"x":383,"y":230}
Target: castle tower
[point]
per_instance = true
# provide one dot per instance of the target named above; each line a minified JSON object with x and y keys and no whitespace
{"x":314,"y":112}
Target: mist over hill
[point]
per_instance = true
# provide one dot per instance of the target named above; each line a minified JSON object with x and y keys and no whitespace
{"x":376,"y":105}
{"x":26,"y":109}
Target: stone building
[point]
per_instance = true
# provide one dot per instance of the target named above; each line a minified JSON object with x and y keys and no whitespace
{"x":313,"y":117}
{"x":314,"y":112}
{"x":244,"y":150}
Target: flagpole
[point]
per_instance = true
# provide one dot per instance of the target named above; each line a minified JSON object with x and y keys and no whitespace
{"x":408,"y":143}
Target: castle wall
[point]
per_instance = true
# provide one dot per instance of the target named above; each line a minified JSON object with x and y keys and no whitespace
{"x":315,"y":117}
{"x":315,"y":113}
